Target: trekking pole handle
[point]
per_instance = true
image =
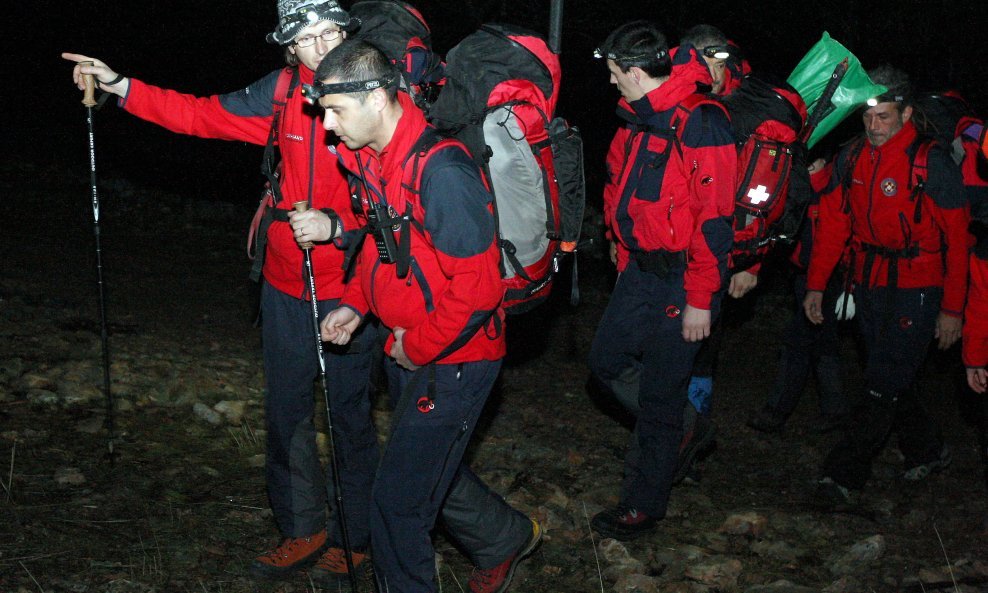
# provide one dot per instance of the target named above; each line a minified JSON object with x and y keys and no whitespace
{"x":89,"y":95}
{"x":302,"y":206}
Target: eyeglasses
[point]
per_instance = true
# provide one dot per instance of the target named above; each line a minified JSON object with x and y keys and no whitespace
{"x":327,"y":36}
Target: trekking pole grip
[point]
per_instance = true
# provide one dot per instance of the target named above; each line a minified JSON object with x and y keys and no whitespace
{"x":89,"y":95}
{"x":302,"y":206}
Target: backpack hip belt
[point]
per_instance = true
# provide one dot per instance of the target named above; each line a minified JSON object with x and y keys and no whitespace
{"x":659,"y":262}
{"x":892,"y":256}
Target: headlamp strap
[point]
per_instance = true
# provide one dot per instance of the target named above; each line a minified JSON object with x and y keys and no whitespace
{"x":318,"y":89}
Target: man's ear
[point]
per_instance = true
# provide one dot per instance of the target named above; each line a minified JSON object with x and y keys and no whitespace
{"x":907,"y":113}
{"x":379,"y":98}
{"x":636,"y":73}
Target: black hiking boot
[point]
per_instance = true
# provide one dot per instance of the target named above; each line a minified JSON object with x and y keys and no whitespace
{"x":623,"y":523}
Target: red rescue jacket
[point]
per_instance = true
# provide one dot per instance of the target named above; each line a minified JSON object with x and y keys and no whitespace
{"x":975,"y":332}
{"x":450,"y":300}
{"x":309,"y":170}
{"x":674,"y":191}
{"x":871,"y":206}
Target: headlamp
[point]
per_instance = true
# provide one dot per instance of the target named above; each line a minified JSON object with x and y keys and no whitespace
{"x":598,"y":53}
{"x":884,"y":99}
{"x":313,"y":92}
{"x":720,"y":52}
{"x":305,"y":15}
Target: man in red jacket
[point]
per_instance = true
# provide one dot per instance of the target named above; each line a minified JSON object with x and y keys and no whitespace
{"x":901,"y":204}
{"x":667,"y":206}
{"x":308,"y":30}
{"x":428,"y":268}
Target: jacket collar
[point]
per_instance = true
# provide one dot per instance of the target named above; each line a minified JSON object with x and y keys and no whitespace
{"x":407,"y":132}
{"x":688,"y":70}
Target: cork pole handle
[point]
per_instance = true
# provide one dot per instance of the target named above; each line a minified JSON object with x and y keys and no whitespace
{"x":302,"y":206}
{"x":89,"y":95}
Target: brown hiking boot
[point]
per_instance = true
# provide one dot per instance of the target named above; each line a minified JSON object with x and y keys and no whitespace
{"x":330,"y":571}
{"x":291,"y":554}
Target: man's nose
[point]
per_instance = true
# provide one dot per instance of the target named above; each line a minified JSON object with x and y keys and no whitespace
{"x":328,"y":121}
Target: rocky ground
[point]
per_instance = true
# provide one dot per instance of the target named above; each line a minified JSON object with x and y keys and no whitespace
{"x":183,"y":508}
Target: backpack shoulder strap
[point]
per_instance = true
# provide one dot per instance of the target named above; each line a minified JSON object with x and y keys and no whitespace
{"x":685,"y":109}
{"x":428,"y":143}
{"x":919,"y":160}
{"x":287,"y":80}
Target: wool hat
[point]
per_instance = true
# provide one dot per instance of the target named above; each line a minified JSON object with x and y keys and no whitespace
{"x":295,"y":15}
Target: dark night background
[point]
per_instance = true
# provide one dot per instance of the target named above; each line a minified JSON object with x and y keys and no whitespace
{"x":213,"y":47}
{"x":184,"y":510}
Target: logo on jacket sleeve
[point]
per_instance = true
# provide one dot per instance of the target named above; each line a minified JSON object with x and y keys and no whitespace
{"x":889,"y":187}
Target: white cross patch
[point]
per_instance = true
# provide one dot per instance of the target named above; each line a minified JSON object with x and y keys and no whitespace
{"x":757,"y":195}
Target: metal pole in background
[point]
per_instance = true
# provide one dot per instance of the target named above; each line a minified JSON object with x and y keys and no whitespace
{"x":302,"y":206}
{"x":556,"y":26}
{"x":89,"y":101}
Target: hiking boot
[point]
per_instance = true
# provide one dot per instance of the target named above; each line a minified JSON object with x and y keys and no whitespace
{"x":623,"y":523}
{"x":330,"y":571}
{"x":694,"y":443}
{"x":921,"y":471}
{"x":693,"y":474}
{"x":832,"y":492}
{"x":497,"y":579}
{"x":766,"y":420}
{"x":291,"y":554}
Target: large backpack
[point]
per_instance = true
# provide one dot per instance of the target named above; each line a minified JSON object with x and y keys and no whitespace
{"x":947,"y":118}
{"x":499,"y":98}
{"x":766,"y":120}
{"x":399,"y":30}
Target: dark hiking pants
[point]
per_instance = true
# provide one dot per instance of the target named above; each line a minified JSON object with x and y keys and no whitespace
{"x":421,"y":472}
{"x":643,"y":320}
{"x":808,"y":347}
{"x":896,"y":326}
{"x":298,"y":488}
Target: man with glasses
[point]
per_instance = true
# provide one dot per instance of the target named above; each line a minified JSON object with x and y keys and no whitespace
{"x":308,"y":30}
{"x":667,"y":204}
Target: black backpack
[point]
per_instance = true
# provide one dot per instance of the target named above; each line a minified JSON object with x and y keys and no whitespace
{"x":499,"y":99}
{"x":400,"y":31}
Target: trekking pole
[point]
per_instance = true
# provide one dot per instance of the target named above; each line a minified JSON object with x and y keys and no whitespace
{"x":89,"y":101}
{"x":302,"y":206}
{"x":556,"y":26}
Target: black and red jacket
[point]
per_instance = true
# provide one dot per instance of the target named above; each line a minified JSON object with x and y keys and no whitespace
{"x":821,"y":183}
{"x":975,"y":171}
{"x":873,"y":206}
{"x":309,"y":170}
{"x":672,"y":171}
{"x":449,"y":303}
{"x":975,"y":332}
